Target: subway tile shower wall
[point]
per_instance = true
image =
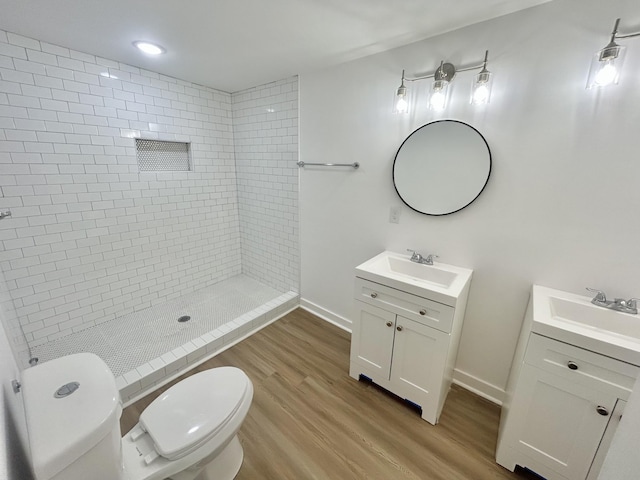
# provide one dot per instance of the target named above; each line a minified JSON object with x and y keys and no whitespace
{"x":265,"y":124}
{"x":91,"y":237}
{"x":11,"y":324}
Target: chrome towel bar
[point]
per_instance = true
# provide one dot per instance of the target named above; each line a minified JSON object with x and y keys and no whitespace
{"x":352,"y":165}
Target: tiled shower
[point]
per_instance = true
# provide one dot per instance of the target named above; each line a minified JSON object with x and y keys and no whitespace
{"x":92,"y":239}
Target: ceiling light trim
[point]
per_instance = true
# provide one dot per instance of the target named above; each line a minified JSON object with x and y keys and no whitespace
{"x":149,"y":48}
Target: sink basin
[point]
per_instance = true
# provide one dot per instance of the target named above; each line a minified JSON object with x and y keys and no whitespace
{"x":421,"y":272}
{"x":596,"y":317}
{"x":440,"y":281}
{"x":574,"y":319}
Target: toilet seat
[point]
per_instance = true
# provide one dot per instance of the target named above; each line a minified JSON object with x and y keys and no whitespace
{"x":213,"y":444}
{"x":194,"y":410}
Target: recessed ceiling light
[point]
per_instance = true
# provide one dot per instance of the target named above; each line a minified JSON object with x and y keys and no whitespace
{"x":149,"y":48}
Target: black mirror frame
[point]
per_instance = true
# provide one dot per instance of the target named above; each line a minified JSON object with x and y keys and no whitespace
{"x":464,"y":206}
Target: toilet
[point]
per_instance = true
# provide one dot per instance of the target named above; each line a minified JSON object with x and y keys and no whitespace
{"x":73,"y":408}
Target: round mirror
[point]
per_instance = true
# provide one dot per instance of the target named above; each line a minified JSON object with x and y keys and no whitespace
{"x":442,"y":167}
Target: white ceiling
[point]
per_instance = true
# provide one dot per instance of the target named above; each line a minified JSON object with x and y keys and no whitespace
{"x":235,"y":44}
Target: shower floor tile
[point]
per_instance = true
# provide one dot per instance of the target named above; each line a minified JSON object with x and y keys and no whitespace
{"x":134,"y":340}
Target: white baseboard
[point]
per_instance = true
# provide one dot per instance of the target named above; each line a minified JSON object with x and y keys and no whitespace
{"x":478,"y":386}
{"x":326,"y":315}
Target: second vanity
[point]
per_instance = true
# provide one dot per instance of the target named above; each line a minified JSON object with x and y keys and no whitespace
{"x":406,"y":327}
{"x":573,"y":371}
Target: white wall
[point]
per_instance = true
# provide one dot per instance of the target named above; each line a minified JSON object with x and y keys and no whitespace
{"x":265,"y":134}
{"x":560,"y":208}
{"x":91,"y":237}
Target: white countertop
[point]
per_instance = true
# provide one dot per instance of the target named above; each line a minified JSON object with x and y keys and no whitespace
{"x":449,"y":281}
{"x":547,"y":322}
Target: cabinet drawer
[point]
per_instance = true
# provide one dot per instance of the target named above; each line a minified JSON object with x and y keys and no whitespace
{"x":581,"y":366}
{"x":426,"y":312}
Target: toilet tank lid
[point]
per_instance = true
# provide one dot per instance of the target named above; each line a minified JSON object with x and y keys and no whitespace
{"x":194,"y":410}
{"x":61,"y":427}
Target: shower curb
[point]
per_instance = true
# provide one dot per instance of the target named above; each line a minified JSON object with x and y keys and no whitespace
{"x":149,"y":376}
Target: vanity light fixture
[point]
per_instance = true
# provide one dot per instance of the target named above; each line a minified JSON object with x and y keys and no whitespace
{"x":149,"y":48}
{"x":481,"y":87}
{"x":607,"y":63}
{"x":439,"y":93}
{"x":440,"y":86}
{"x":400,"y":99}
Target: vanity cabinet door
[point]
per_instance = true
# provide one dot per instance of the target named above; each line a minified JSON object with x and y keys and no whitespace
{"x":372,"y":341}
{"x":419,"y":356}
{"x":559,"y":423}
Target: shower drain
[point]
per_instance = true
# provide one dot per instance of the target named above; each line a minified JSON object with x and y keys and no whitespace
{"x":184,"y":318}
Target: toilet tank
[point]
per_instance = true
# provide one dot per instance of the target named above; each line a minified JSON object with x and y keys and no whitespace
{"x":73,"y":408}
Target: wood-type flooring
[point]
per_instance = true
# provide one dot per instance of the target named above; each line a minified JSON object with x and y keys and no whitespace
{"x":310,"y":420}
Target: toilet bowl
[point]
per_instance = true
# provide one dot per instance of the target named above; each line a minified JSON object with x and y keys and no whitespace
{"x":73,"y":408}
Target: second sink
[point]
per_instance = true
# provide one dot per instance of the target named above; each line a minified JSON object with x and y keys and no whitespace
{"x":573,"y":319}
{"x":597,"y":317}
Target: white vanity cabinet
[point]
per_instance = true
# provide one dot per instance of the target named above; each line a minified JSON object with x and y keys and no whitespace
{"x":563,"y":405}
{"x":407,"y":343}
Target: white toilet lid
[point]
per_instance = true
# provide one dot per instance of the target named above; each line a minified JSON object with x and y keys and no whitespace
{"x":195,"y":409}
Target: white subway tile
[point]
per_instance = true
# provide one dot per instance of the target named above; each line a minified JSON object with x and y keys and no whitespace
{"x":7,"y":62}
{"x":56,"y":105}
{"x":14,"y":112}
{"x":105,"y":111}
{"x":12,"y":51}
{"x":27,"y":66}
{"x":21,"y":136}
{"x":75,"y":86}
{"x":88,"y":78}
{"x":81,"y":108}
{"x":87,"y":220}
{"x":48,"y":82}
{"x":61,"y":52}
{"x":36,"y":114}
{"x":70,"y":63}
{"x":84,"y":57}
{"x":21,"y":41}
{"x":86,"y":99}
{"x":23,"y":101}
{"x":41,"y":57}
{"x":101,"y":91}
{"x":94,"y":120}
{"x":11,"y":147}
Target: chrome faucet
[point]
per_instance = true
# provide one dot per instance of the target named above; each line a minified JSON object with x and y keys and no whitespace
{"x":416,"y":257}
{"x":618,"y":304}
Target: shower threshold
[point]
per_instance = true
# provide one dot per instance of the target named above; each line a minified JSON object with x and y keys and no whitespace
{"x":150,"y":347}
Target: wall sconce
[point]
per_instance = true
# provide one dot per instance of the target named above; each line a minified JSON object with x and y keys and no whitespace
{"x":440,"y":86}
{"x":439,"y":92}
{"x":607,"y":63}
{"x":400,"y":99}
{"x":482,"y":83}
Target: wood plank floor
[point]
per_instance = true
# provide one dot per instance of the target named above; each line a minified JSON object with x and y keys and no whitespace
{"x":310,"y":420}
